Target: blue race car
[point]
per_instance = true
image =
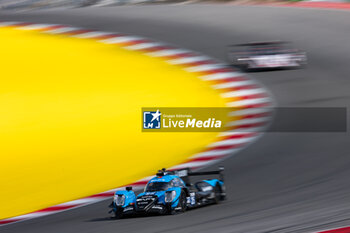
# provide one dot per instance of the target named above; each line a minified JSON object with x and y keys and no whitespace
{"x":170,"y":192}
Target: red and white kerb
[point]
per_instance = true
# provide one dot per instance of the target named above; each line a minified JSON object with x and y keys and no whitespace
{"x":254,"y":101}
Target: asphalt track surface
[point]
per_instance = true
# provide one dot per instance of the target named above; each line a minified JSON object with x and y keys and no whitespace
{"x":285,"y":182}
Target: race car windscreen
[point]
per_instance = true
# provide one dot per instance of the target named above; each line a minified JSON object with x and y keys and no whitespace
{"x":157,"y":186}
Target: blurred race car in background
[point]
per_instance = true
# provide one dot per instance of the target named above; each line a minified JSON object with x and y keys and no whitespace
{"x":266,"y":55}
{"x":170,"y":192}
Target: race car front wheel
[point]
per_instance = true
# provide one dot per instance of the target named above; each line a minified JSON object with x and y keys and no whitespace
{"x":217,"y":193}
{"x":181,"y":206}
{"x":118,"y":214}
{"x":183,"y":202}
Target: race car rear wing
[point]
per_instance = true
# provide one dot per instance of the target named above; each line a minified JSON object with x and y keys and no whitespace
{"x":186,"y":173}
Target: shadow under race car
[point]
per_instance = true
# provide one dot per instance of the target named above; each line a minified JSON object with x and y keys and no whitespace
{"x":170,"y":192}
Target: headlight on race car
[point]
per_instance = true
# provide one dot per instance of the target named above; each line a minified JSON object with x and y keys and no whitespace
{"x":169,"y":196}
{"x":119,"y":200}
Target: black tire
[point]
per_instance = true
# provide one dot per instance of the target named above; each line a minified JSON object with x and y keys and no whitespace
{"x":217,"y":194}
{"x":223,"y":192}
{"x":118,"y":214}
{"x":182,"y":204}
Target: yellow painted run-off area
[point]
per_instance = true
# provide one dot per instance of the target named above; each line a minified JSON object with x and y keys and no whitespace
{"x":70,"y":118}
